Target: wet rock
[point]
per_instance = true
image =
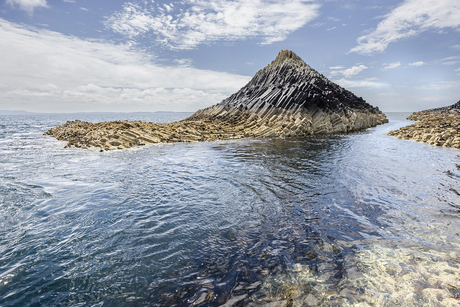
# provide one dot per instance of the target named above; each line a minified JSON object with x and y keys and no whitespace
{"x":440,"y":127}
{"x":287,"y":98}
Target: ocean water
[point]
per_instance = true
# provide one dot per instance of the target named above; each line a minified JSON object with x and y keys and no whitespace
{"x":361,"y":219}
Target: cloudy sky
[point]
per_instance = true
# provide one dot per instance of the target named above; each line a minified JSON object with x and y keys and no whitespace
{"x":86,"y":55}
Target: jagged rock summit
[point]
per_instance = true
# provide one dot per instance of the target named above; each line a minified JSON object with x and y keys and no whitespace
{"x":286,"y":98}
{"x":289,"y":98}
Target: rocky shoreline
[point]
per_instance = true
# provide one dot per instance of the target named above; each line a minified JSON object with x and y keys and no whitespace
{"x":440,"y":127}
{"x":287,"y":98}
{"x":126,"y":134}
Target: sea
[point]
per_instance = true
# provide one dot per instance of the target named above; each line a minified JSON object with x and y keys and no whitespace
{"x":359,"y":219}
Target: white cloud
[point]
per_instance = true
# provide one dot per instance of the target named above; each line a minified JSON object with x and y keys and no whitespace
{"x":204,"y":21}
{"x":347,"y":73}
{"x":27,"y":5}
{"x":360,"y":83}
{"x":168,"y":8}
{"x":317,"y":24}
{"x":458,"y":69}
{"x":452,"y":60}
{"x":392,"y":65}
{"x":184,"y":62}
{"x":457,"y":47}
{"x":353,"y":71}
{"x":336,"y":67}
{"x":374,"y":7}
{"x":410,"y":18}
{"x":43,"y":70}
{"x":331,"y":28}
{"x":419,"y":63}
{"x":442,"y":85}
{"x":69,"y":1}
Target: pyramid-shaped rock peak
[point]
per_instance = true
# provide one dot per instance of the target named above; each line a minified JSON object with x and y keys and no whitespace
{"x":286,"y":98}
{"x":289,"y":98}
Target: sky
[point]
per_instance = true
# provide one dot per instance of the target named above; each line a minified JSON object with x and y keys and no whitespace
{"x":146,"y":56}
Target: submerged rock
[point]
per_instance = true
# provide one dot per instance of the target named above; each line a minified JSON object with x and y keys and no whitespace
{"x":286,"y":98}
{"x":440,"y":127}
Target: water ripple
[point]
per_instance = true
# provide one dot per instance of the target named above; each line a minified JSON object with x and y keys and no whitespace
{"x":234,"y":222}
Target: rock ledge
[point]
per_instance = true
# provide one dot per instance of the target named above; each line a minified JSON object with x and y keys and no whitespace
{"x":440,"y":127}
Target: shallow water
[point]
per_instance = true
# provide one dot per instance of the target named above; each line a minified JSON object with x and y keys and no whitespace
{"x":349,"y":220}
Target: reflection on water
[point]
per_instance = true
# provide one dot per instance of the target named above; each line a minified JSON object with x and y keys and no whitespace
{"x":347,"y":220}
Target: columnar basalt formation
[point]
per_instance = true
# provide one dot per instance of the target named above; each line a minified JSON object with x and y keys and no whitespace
{"x":286,"y":98}
{"x":289,"y":98}
{"x":440,"y":127}
{"x":126,"y":134}
{"x":453,"y":110}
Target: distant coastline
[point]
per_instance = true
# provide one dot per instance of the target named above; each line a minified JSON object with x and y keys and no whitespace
{"x":16,"y":112}
{"x":21,"y":112}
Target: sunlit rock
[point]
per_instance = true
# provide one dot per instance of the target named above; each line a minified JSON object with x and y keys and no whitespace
{"x":287,"y":98}
{"x":440,"y":127}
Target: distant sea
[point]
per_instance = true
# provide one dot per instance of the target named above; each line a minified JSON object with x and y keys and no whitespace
{"x":341,"y":220}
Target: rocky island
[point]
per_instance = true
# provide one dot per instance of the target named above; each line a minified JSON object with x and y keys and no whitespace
{"x":440,"y":127}
{"x":286,"y":98}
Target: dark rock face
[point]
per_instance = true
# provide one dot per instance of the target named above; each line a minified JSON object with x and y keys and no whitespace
{"x":455,"y":108}
{"x":286,"y":98}
{"x":289,"y":98}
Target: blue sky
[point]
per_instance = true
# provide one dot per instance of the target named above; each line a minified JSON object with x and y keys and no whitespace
{"x":82,"y":55}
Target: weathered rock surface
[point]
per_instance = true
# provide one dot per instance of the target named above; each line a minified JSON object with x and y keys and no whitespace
{"x":286,"y":98}
{"x":289,"y":98}
{"x":126,"y":134}
{"x":440,"y":127}
{"x":450,"y":110}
